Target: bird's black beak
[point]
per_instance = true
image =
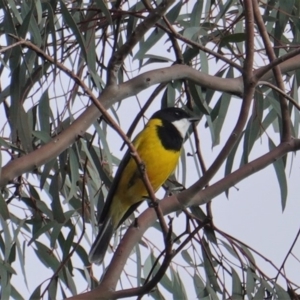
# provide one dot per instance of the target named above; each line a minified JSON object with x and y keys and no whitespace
{"x":194,"y":119}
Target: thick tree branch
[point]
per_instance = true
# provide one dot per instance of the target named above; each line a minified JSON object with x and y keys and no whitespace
{"x":112,"y":95}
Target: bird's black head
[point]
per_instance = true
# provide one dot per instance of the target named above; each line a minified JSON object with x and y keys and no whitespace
{"x":171,"y":114}
{"x":175,"y":124}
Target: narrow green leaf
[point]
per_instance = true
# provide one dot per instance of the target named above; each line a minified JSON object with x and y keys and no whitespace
{"x":167,"y":283}
{"x":198,"y":98}
{"x":196,"y":13}
{"x":230,"y":249}
{"x":233,"y":38}
{"x":57,"y":228}
{"x":260,"y":294}
{"x":224,"y":102}
{"x":24,"y":130}
{"x":3,"y":143}
{"x":192,"y":33}
{"x":15,"y":11}
{"x":223,"y":9}
{"x":212,"y":293}
{"x":5,"y":283}
{"x":199,"y":286}
{"x":250,"y":283}
{"x":253,"y":129}
{"x":157,"y":34}
{"x":72,"y":24}
{"x":237,"y":290}
{"x":198,"y":212}
{"x":106,"y":153}
{"x":46,"y":171}
{"x":15,"y":294}
{"x":267,"y":286}
{"x":7,"y":267}
{"x":69,"y":241}
{"x":52,"y":289}
{"x":208,"y":266}
{"x":42,"y":230}
{"x":178,"y":291}
{"x":21,"y":257}
{"x":81,"y":252}
{"x":35,"y":32}
{"x":186,"y":256}
{"x":269,"y":119}
{"x":7,"y":238}
{"x":51,"y":24}
{"x":46,"y":256}
{"x":55,"y":203}
{"x":103,"y":6}
{"x":148,"y":265}
{"x":70,"y":282}
{"x":281,"y":177}
{"x":36,"y":293}
{"x":280,"y":292}
{"x":296,"y":112}
{"x":152,"y":58}
{"x":249,"y":256}
{"x":168,"y":98}
{"x":74,"y":174}
{"x":23,"y":30}
{"x":42,"y":206}
{"x":3,"y":208}
{"x":230,"y":160}
{"x":285,"y":9}
{"x":44,"y":112}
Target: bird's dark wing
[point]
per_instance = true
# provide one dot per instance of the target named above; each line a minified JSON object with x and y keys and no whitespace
{"x":114,"y":186}
{"x":131,"y":209}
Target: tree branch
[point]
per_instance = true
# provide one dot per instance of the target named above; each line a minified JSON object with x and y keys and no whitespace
{"x":111,"y":96}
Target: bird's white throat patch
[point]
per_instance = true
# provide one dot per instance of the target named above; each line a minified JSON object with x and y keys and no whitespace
{"x":182,"y":126}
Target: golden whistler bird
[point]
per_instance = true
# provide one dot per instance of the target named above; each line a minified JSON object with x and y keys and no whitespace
{"x":159,"y":146}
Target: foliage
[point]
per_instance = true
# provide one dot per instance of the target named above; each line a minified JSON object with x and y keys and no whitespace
{"x":64,"y":63}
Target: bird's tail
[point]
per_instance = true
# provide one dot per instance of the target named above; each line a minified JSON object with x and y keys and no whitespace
{"x":100,"y":245}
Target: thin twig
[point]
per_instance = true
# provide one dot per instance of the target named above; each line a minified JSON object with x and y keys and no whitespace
{"x":272,"y":86}
{"x":287,"y":255}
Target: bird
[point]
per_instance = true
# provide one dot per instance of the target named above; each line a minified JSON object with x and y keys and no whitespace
{"x":159,"y":146}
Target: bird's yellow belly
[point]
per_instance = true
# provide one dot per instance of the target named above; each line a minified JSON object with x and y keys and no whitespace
{"x":159,"y":166}
{"x":159,"y":163}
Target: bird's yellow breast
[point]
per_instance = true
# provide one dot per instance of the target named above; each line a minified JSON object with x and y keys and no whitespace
{"x":160,"y":163}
